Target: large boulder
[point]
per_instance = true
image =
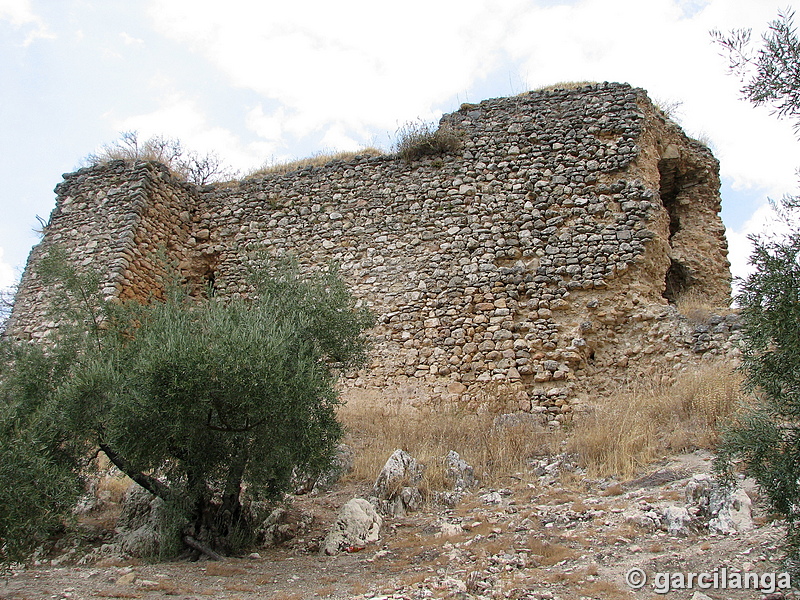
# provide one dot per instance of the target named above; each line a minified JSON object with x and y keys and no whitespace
{"x":396,"y":490}
{"x":357,"y":525}
{"x":458,"y":472}
{"x":400,"y":470}
{"x":677,"y":520}
{"x":726,"y":510}
{"x":141,"y":523}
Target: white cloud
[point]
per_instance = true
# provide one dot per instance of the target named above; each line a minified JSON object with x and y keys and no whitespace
{"x":181,"y":118}
{"x":361,"y":64}
{"x":270,"y":127}
{"x":763,"y":222}
{"x":129,"y":40}
{"x":7,"y":275}
{"x":20,"y":14}
{"x":342,"y":71}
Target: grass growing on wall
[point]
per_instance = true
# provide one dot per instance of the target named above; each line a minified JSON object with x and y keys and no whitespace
{"x":316,"y":160}
{"x":564,"y":85}
{"x":416,"y":139}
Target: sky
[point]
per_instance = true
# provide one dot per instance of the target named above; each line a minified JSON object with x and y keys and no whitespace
{"x":260,"y":82}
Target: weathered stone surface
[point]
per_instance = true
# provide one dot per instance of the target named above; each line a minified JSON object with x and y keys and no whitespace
{"x":459,"y":472}
{"x":676,"y":520}
{"x":544,"y":251}
{"x":140,"y":524}
{"x":395,"y":488}
{"x":357,"y":525}
{"x":400,"y":468}
{"x":725,"y":510}
{"x":284,"y":524}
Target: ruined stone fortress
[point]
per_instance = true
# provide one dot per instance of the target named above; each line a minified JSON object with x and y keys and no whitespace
{"x":543,"y":258}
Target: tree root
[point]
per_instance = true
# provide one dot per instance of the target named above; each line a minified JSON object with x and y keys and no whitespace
{"x":202,"y":548}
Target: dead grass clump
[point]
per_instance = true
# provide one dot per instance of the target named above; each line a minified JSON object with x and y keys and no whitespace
{"x":316,"y":160}
{"x":631,"y":429}
{"x":606,"y":589}
{"x":565,"y":85}
{"x":550,"y":553}
{"x":324,"y":591}
{"x":190,"y":166}
{"x":696,"y":307}
{"x":416,"y":139}
{"x":112,"y":486}
{"x":614,"y":489}
{"x":428,"y":434}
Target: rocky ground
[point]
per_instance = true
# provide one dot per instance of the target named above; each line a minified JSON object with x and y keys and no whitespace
{"x":549,"y":533}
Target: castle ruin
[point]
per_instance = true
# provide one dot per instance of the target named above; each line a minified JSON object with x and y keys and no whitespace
{"x":546,"y":254}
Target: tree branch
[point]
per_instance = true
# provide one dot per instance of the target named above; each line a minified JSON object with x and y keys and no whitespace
{"x":202,"y":548}
{"x":244,"y":429}
{"x":151,"y":484}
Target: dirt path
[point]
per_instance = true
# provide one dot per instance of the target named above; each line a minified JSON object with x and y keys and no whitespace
{"x":542,"y":538}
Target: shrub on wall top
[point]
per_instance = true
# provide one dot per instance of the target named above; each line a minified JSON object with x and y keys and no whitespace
{"x":416,"y":139}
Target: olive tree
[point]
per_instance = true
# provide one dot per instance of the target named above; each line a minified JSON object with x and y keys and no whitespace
{"x":195,"y":399}
{"x":765,"y":439}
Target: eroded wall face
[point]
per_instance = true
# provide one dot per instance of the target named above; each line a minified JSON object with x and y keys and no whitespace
{"x":120,"y":220}
{"x":537,"y":257}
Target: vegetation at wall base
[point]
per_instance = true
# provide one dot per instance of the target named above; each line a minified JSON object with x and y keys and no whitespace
{"x":194,"y":399}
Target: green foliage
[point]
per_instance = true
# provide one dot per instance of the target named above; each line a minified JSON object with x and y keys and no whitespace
{"x":766,"y":438}
{"x":194,"y":398}
{"x":40,"y":463}
{"x":771,"y":74}
{"x":416,"y":139}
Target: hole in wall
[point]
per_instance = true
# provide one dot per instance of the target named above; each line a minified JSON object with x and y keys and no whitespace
{"x":674,"y":179}
{"x":210,"y":279}
{"x":678,"y":281}
{"x":669,"y":188}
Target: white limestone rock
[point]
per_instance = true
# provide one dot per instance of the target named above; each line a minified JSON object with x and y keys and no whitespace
{"x":357,"y":525}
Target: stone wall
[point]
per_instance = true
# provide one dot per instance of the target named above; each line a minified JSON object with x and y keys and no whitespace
{"x":541,"y":256}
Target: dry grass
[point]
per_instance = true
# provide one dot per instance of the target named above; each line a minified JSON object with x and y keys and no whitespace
{"x":317,"y":160}
{"x":377,"y":429}
{"x":112,"y":485}
{"x":416,"y":139}
{"x":632,"y":429}
{"x":564,"y":85}
{"x":550,"y":553}
{"x":695,"y":306}
{"x":605,"y":589}
{"x":187,"y":165}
